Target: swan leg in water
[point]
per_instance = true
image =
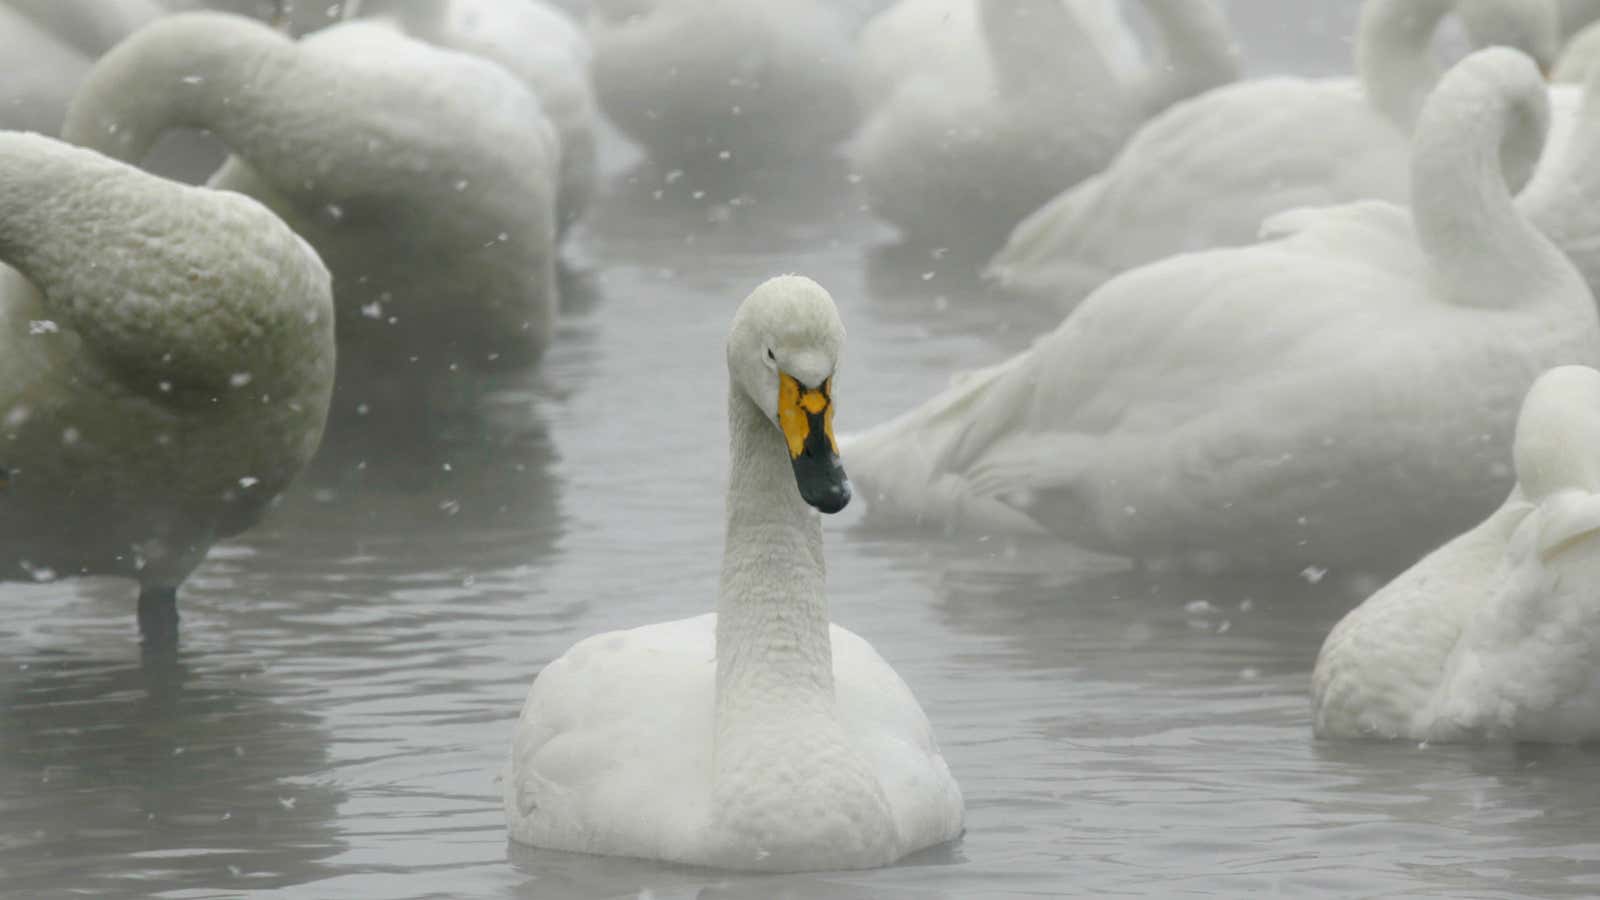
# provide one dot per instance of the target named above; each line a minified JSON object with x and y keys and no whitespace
{"x":158,"y":617}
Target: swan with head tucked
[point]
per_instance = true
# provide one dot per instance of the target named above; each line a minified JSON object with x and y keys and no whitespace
{"x":1341,"y":395}
{"x":1492,"y":636}
{"x":725,"y":86}
{"x":426,"y":178}
{"x":1208,"y":171}
{"x":760,"y":736}
{"x":166,"y":362}
{"x":956,"y":153}
{"x":534,"y":41}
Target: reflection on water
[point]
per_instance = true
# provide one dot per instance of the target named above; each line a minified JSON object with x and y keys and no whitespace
{"x":183,"y":771}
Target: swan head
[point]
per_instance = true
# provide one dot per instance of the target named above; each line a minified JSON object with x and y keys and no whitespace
{"x":1558,"y":433}
{"x":783,"y":350}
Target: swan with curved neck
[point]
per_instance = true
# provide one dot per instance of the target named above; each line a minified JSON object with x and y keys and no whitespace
{"x":1208,"y":171}
{"x":534,"y":41}
{"x":955,"y":155}
{"x":760,"y":737}
{"x":425,"y":178}
{"x":166,"y":362}
{"x":1491,"y":636}
{"x":1339,"y":396}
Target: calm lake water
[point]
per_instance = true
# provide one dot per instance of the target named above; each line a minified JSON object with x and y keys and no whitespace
{"x":350,"y":671}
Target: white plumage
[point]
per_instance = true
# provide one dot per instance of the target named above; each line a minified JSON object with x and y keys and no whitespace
{"x":1492,"y":636}
{"x":1342,"y":394}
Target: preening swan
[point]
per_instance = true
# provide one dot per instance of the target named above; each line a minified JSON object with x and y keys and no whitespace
{"x":1492,"y":636}
{"x":426,"y":178}
{"x":760,"y":736}
{"x":540,"y":45}
{"x":1208,"y":171}
{"x":725,"y":86}
{"x":956,"y":154}
{"x":166,"y":362}
{"x":1342,"y":395}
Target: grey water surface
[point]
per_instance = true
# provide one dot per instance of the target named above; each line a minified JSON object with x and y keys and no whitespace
{"x":350,"y":671}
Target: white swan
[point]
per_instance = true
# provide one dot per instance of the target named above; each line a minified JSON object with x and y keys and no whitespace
{"x":1339,"y":396}
{"x":166,"y":361}
{"x":957,"y":153}
{"x":1492,"y":636}
{"x":912,"y":37}
{"x":46,"y":46}
{"x":725,"y":86}
{"x":761,"y":736}
{"x":426,"y":178}
{"x":1563,"y":198}
{"x":1208,"y":171}
{"x":536,"y":42}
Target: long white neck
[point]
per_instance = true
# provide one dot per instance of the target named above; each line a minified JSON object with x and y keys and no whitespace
{"x":1394,"y":55}
{"x":223,"y":73}
{"x":774,"y":659}
{"x":1478,"y":139}
{"x":1197,"y":52}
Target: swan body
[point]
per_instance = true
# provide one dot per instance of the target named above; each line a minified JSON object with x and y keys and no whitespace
{"x":539,"y":44}
{"x":1340,"y":395}
{"x":1492,"y":636}
{"x":725,"y":86}
{"x":977,"y":132}
{"x":426,"y":178}
{"x":761,"y":736}
{"x":166,"y":362}
{"x":1208,"y":171}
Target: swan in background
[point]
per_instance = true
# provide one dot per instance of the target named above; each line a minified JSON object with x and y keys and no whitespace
{"x":1491,"y":637}
{"x":955,"y":155}
{"x":1563,"y":198}
{"x":921,"y":36}
{"x":46,"y":47}
{"x":1576,"y":15}
{"x":166,"y":362}
{"x":1339,"y":396}
{"x":759,"y":736}
{"x":536,"y":42}
{"x":1208,"y":171}
{"x":725,"y":86}
{"x":426,"y":178}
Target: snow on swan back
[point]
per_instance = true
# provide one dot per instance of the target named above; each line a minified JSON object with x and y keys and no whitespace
{"x":166,"y":361}
{"x":1341,"y":395}
{"x":1492,"y":636}
{"x":760,"y":736}
{"x":426,"y":178}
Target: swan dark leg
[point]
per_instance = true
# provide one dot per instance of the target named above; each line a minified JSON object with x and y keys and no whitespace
{"x":158,"y":617}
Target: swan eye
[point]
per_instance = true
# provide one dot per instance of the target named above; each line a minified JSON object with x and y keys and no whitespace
{"x":772,"y":358}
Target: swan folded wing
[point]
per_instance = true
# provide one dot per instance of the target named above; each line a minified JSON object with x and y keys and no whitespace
{"x":612,"y":753}
{"x":1525,"y":666}
{"x":880,"y":713}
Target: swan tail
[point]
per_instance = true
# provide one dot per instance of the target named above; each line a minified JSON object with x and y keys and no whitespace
{"x":1043,"y":257}
{"x":912,"y":468}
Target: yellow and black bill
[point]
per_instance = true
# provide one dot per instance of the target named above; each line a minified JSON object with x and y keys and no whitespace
{"x":806,"y":416}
